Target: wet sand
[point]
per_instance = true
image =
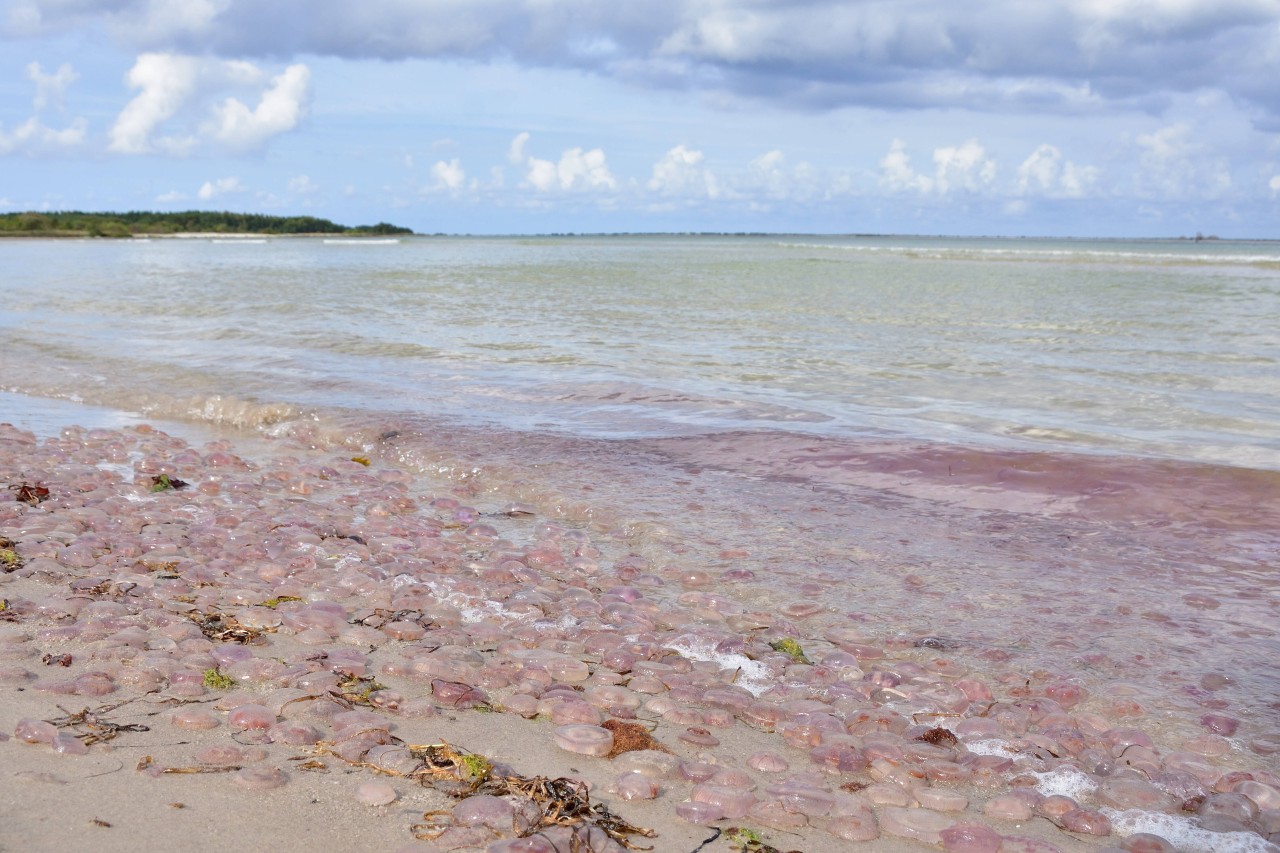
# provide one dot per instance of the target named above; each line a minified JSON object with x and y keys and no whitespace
{"x":322,"y":580}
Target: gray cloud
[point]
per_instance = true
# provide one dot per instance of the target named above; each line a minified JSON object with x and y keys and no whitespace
{"x":1073,"y":55}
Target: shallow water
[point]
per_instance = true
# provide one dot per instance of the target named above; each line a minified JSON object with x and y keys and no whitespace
{"x":1051,"y":461}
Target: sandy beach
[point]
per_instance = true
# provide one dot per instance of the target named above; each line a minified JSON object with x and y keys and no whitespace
{"x":201,"y":649}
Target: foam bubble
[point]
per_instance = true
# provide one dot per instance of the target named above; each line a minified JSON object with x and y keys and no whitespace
{"x":992,"y":746}
{"x":473,"y":609}
{"x":1183,"y":833}
{"x":1065,"y":781}
{"x":753,"y":676}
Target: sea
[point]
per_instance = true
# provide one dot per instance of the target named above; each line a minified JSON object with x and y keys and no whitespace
{"x":1043,"y":459}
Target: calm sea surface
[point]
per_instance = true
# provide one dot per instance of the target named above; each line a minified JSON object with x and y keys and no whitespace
{"x":1158,"y":349}
{"x":1056,"y":455}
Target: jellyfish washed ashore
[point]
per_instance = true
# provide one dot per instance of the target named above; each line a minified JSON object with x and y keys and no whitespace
{"x":305,"y":602}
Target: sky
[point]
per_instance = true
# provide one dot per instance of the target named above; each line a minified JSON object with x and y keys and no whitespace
{"x":1075,"y":118}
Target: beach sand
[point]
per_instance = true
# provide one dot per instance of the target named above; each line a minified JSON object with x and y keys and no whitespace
{"x":107,"y":610}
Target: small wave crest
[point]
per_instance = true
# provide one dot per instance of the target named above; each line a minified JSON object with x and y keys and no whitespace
{"x":361,"y":241}
{"x":1183,"y":833}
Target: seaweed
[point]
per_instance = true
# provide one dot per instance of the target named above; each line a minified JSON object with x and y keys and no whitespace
{"x":165,"y":483}
{"x":30,"y":494}
{"x":217,"y":681}
{"x":938,"y":736}
{"x":380,"y":616}
{"x":629,"y":737}
{"x":355,"y":689}
{"x":147,"y":762}
{"x":91,"y":727}
{"x":10,"y":560}
{"x":273,"y":603}
{"x":743,"y":840}
{"x":791,"y":648}
{"x":560,"y":801}
{"x":223,"y":628}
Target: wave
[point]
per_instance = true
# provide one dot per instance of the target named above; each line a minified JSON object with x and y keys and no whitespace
{"x":1044,"y":254}
{"x":361,"y":241}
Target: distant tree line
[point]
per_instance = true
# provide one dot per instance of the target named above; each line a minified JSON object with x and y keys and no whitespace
{"x":75,"y":223}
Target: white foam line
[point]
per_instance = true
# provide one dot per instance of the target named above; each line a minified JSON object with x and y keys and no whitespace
{"x":1183,"y":833}
{"x":1065,"y":781}
{"x":753,"y":676}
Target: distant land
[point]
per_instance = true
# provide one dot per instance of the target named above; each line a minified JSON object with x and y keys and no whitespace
{"x":144,"y":223}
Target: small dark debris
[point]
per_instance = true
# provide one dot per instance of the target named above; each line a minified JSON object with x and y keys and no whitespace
{"x":937,"y":643}
{"x":164,"y":483}
{"x":938,"y":736}
{"x":29,"y":494}
{"x":56,"y":660}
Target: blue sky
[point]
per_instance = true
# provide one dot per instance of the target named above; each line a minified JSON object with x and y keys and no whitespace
{"x":1052,"y":117}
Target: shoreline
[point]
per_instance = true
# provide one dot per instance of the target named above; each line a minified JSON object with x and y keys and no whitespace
{"x":486,"y":585}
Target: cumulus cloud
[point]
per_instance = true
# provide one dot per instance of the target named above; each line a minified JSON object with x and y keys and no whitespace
{"x":515,"y":153}
{"x":167,"y":82}
{"x":280,"y":109}
{"x":212,"y":189}
{"x":33,"y":136}
{"x":896,"y":173}
{"x":51,"y":88}
{"x":449,"y":176}
{"x":773,"y":177}
{"x":964,"y":168}
{"x":1173,"y":165}
{"x":576,"y":169}
{"x":1275,"y":186}
{"x":182,"y":91}
{"x":680,"y":173}
{"x":999,"y":55}
{"x":1047,"y":173}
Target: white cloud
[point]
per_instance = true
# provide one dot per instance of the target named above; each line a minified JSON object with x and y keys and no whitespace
{"x":1001,"y":55}
{"x":772,"y":176}
{"x":33,"y":137}
{"x":956,"y":168}
{"x":680,"y":173}
{"x":1172,"y":165}
{"x":281,"y":108}
{"x":896,"y":173}
{"x":1046,"y":173}
{"x":222,"y":186}
{"x":1275,"y":186}
{"x":515,"y":154}
{"x":303,"y":185}
{"x":178,"y":89}
{"x":167,"y":82}
{"x":577,"y":169}
{"x":965,"y":167}
{"x":171,"y":197}
{"x":449,"y":177}
{"x":50,"y":88}
{"x":585,"y":170}
{"x":167,"y":19}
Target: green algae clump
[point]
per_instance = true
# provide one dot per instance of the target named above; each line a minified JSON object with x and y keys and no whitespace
{"x":217,"y":681}
{"x":790,"y":648}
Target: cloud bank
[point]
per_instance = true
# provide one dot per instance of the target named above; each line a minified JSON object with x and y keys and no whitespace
{"x":1076,"y":55}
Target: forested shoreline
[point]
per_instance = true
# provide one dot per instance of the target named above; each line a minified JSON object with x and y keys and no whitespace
{"x":134,"y":223}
